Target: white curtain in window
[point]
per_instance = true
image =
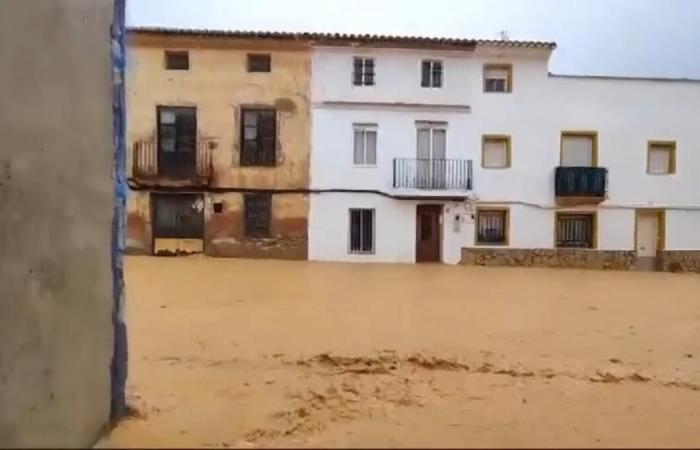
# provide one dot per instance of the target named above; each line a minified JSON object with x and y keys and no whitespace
{"x":659,"y":159}
{"x":439,"y":143}
{"x":495,"y":154}
{"x":370,"y":147}
{"x":577,"y":151}
{"x":496,"y":74}
{"x":358,"y":154}
{"x":423,"y":143}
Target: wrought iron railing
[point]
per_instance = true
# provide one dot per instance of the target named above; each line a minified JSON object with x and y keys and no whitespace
{"x":433,"y":174}
{"x":145,"y":164}
{"x":581,"y":181}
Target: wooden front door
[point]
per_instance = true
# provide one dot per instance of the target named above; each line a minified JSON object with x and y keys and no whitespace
{"x":428,"y":236}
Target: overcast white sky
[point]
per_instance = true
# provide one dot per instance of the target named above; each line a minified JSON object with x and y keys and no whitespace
{"x":604,"y":37}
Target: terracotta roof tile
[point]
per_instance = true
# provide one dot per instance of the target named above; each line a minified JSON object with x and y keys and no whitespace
{"x":349,"y":39}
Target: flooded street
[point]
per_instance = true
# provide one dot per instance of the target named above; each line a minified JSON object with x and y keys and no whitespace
{"x":228,"y":352}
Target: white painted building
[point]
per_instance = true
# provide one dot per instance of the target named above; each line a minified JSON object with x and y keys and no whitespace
{"x":414,"y":158}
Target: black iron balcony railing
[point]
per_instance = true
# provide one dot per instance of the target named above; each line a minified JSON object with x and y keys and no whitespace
{"x":148,"y":162}
{"x":437,"y":174}
{"x":589,"y":182}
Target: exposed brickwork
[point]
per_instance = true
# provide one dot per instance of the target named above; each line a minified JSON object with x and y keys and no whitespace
{"x":573,"y":258}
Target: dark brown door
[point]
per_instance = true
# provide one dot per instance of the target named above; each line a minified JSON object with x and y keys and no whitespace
{"x":177,"y":141}
{"x":428,"y":233}
{"x":178,"y":216}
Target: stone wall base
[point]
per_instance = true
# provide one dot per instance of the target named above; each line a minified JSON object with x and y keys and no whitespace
{"x":571,"y":258}
{"x":680,"y":260}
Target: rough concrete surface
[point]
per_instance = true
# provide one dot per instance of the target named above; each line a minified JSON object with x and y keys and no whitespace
{"x":56,"y":197}
{"x":248,"y":353}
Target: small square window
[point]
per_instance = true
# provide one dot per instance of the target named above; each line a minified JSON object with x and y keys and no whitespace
{"x":258,"y":62}
{"x":257,"y":212}
{"x":498,"y":78}
{"x":495,"y":152}
{"x":363,"y":71}
{"x":575,"y":230}
{"x":431,"y":74}
{"x":492,"y":226}
{"x":177,"y":60}
{"x":218,"y":207}
{"x":661,"y":158}
{"x":365,"y":145}
{"x":361,"y":231}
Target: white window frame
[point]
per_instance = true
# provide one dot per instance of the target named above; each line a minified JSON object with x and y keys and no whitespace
{"x":364,"y":128}
{"x":507,"y":81}
{"x":431,"y":80}
{"x":364,"y":75}
{"x":374,"y":232}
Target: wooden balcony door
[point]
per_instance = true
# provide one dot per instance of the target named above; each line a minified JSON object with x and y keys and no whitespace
{"x":177,"y":142}
{"x":431,"y":153}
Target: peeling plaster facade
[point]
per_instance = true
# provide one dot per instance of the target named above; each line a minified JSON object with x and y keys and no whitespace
{"x":218,"y":85}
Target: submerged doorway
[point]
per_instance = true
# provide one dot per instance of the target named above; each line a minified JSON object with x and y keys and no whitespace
{"x":428,"y":236}
{"x":178,"y":223}
{"x":649,"y":237}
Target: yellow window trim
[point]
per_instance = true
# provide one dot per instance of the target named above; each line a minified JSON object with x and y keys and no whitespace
{"x":672,"y":157}
{"x":481,"y":209}
{"x":499,"y":138}
{"x":577,"y":213}
{"x":499,"y":66}
{"x":579,"y":133}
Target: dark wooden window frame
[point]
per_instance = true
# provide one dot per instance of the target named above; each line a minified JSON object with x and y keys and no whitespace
{"x":259,"y":62}
{"x":592,"y":232}
{"x":361,"y":245}
{"x":257,"y":215}
{"x":504,"y":214}
{"x":264,"y":152}
{"x":180,"y":136}
{"x":177,"y":60}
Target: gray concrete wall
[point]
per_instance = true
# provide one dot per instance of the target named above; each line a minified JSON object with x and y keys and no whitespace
{"x":56,"y":197}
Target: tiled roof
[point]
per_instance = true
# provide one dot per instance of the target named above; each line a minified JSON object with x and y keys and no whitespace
{"x":348,"y":39}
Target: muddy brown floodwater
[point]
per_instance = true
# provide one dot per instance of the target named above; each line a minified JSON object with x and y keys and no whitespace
{"x":227,"y":352}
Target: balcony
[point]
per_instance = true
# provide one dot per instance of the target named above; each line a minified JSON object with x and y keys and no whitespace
{"x":177,"y":168}
{"x":580,"y":185}
{"x":432,"y":177}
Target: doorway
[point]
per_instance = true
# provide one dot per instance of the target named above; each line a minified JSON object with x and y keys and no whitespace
{"x":428,"y":235}
{"x":178,"y":223}
{"x":177,"y":141}
{"x":649,"y":237}
{"x":430,"y":156}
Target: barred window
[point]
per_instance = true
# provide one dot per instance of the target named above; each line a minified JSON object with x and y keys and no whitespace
{"x":361,"y":231}
{"x":431,"y":73}
{"x":575,"y":230}
{"x":257,"y":211}
{"x":492,"y":226}
{"x":363,"y":71}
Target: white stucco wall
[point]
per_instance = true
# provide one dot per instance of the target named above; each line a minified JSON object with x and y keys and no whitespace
{"x":625,"y":113}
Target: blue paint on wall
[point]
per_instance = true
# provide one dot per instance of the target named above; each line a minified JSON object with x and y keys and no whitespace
{"x":120,"y":354}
